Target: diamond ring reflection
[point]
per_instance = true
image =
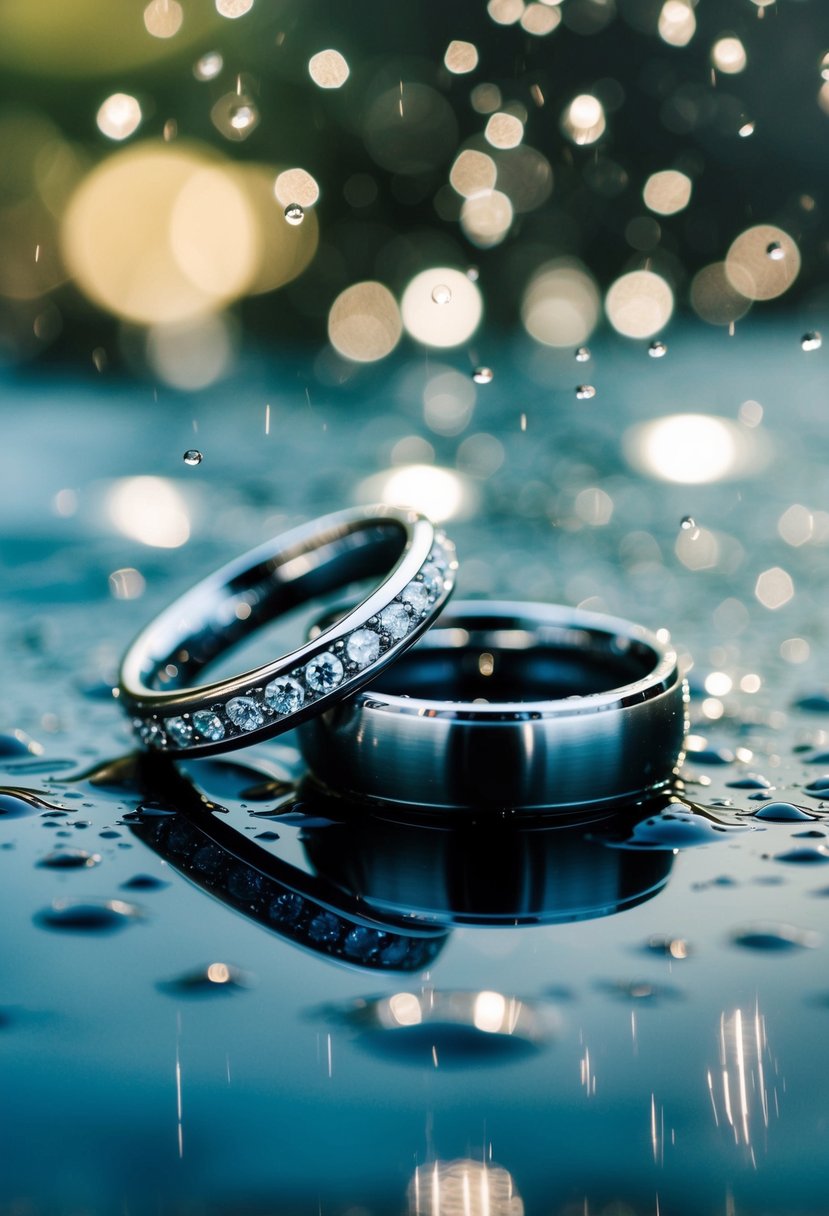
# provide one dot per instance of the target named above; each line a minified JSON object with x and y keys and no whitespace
{"x":513,"y":707}
{"x":416,"y":567}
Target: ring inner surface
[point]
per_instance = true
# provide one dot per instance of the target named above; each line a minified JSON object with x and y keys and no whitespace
{"x":223,"y":617}
{"x":515,"y":665}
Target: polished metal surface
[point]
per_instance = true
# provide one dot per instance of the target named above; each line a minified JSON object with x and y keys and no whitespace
{"x":611,"y":725}
{"x":168,"y":714}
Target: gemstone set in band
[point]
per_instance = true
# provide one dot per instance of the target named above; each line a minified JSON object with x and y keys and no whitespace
{"x":275,"y":697}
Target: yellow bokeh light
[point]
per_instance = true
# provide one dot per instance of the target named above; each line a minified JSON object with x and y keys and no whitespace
{"x":286,"y":249}
{"x":473,"y":173}
{"x":561,"y":304}
{"x":461,"y":57}
{"x":762,"y":262}
{"x":677,"y":23}
{"x":158,"y":234}
{"x":540,"y":19}
{"x":440,"y":493}
{"x":639,"y":304}
{"x":192,"y":355}
{"x":505,"y":12}
{"x":489,"y":1012}
{"x":364,"y":322}
{"x":486,"y":218}
{"x":504,"y":130}
{"x":328,"y":69}
{"x":695,"y":449}
{"x":728,"y":55}
{"x":774,"y":588}
{"x":441,"y":324}
{"x":463,"y":1188}
{"x":296,"y":186}
{"x":150,"y":510}
{"x":584,"y":120}
{"x":714,"y":298}
{"x":233,"y":9}
{"x":667,"y":192}
{"x":404,"y":1008}
{"x":163,"y":18}
{"x":119,"y":116}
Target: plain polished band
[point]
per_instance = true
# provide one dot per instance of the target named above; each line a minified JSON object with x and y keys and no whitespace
{"x":614,"y":727}
{"x":416,"y":567}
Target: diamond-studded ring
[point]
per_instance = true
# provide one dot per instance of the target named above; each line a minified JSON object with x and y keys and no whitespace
{"x":169,"y":713}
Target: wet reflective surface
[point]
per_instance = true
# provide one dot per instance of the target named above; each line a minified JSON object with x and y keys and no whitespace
{"x":225,"y":993}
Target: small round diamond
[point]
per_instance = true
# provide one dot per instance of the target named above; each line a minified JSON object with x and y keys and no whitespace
{"x":363,"y":647}
{"x":417,"y":595}
{"x":432,"y":577}
{"x":324,"y":672}
{"x":284,"y":694}
{"x":396,"y":621}
{"x":180,"y":731}
{"x":209,"y":725}
{"x":244,"y":713}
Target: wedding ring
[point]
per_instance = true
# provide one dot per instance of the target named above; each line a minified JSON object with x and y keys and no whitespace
{"x":170,"y":714}
{"x":510,"y":706}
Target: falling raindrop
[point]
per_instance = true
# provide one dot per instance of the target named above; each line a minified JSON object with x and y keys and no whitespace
{"x":70,"y":859}
{"x":775,"y":251}
{"x":441,"y":294}
{"x":483,"y":375}
{"x":193,"y":456}
{"x":657,"y":349}
{"x":811,"y":341}
{"x":689,"y":524}
{"x":294,"y":214}
{"x":584,"y":392}
{"x":88,"y":916}
{"x":242,"y":116}
{"x":582,"y":354}
{"x":209,"y":66}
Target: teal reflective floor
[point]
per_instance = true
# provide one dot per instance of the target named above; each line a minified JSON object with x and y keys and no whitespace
{"x":281,"y":1005}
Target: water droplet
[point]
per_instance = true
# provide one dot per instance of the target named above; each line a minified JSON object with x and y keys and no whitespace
{"x":209,"y":66}
{"x":441,"y":294}
{"x":473,"y":274}
{"x":677,"y":828}
{"x":193,"y":456}
{"x":242,"y":116}
{"x":294,"y":214}
{"x":18,"y":743}
{"x":772,"y":935}
{"x":803,"y":857}
{"x":70,"y":859}
{"x":746,"y":129}
{"x":814,"y":703}
{"x":582,"y":354}
{"x":775,"y":251}
{"x":216,"y":979}
{"x":673,"y":947}
{"x":811,"y":341}
{"x":751,"y":781}
{"x":819,"y":788}
{"x":712,"y":755}
{"x":88,"y":916}
{"x":144,"y":882}
{"x":483,"y":375}
{"x":657,"y":349}
{"x":267,"y":836}
{"x":584,"y":392}
{"x":689,"y":524}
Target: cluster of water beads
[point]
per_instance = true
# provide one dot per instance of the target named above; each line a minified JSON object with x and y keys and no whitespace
{"x":294,"y":214}
{"x":193,"y":456}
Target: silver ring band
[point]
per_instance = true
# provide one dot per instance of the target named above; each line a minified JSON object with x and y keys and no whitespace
{"x":590,"y":710}
{"x":169,"y":715}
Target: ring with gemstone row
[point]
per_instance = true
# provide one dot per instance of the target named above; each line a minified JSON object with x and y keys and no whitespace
{"x":168,"y":713}
{"x":510,"y":706}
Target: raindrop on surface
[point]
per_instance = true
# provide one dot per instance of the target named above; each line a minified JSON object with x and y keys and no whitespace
{"x":657,"y":349}
{"x":294,"y":214}
{"x":144,"y":882}
{"x":751,"y":781}
{"x":772,"y":935}
{"x":582,"y":354}
{"x":811,"y":341}
{"x":193,"y":456}
{"x":483,"y":375}
{"x":70,"y":859}
{"x":584,"y":392}
{"x":216,"y":979}
{"x":672,"y":947}
{"x":819,"y":788}
{"x":16,"y":804}
{"x":441,"y":294}
{"x":17,"y":743}
{"x":775,"y":251}
{"x":242,"y":116}
{"x":88,"y":916}
{"x":803,"y":857}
